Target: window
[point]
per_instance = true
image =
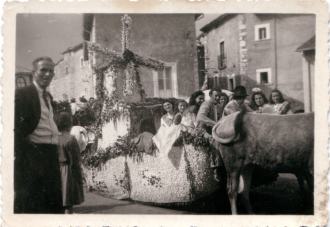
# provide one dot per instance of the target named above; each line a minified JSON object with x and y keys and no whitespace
{"x":262,"y":32}
{"x":231,"y":84}
{"x":165,"y":82}
{"x":222,"y":57}
{"x":264,"y":76}
{"x":231,"y":81}
{"x":20,"y":82}
{"x":66,"y":70}
{"x":81,"y":62}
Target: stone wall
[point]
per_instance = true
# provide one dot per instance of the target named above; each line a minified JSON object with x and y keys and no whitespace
{"x":229,"y":33}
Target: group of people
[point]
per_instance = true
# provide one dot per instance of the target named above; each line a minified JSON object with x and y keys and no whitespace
{"x":47,"y":171}
{"x":201,"y":113}
{"x":82,"y":110}
{"x":82,"y":104}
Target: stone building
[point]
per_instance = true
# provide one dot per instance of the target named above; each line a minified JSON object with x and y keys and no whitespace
{"x":258,"y":50}
{"x":73,"y":75}
{"x":169,"y":38}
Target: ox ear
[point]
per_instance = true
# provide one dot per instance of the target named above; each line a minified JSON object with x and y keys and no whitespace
{"x":227,"y":130}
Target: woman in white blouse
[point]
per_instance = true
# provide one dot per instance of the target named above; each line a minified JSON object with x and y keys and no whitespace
{"x":168,"y":132}
{"x":278,"y":103}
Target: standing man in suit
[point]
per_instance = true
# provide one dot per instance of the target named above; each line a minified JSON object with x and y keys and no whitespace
{"x":37,"y":183}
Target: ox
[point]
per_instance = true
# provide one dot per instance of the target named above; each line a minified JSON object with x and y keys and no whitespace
{"x":284,"y":143}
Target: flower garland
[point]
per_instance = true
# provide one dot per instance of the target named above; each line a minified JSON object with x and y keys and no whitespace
{"x":130,"y":76}
{"x":118,"y":60}
{"x":122,"y":147}
{"x":99,"y":84}
{"x":113,"y":110}
{"x":109,"y":105}
{"x":128,"y":62}
{"x":197,"y":138}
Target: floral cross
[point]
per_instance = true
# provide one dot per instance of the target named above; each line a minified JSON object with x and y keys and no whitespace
{"x":126,"y":26}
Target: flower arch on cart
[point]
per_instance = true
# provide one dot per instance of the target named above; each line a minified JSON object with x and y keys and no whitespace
{"x":118,"y":85}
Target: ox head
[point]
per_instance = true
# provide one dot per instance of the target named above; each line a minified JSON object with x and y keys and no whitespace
{"x":229,"y":129}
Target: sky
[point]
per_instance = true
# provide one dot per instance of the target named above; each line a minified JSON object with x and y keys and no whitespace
{"x":45,"y":35}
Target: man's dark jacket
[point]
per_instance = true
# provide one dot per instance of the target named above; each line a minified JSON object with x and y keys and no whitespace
{"x":27,"y":111}
{"x":27,"y":117}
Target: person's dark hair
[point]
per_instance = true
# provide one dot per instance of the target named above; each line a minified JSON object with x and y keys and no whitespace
{"x":280,"y":94}
{"x":83,"y":99}
{"x":37,"y":60}
{"x":193,"y":106}
{"x":192,"y":100}
{"x":64,"y":121}
{"x":222,"y":94}
{"x":212,"y":90}
{"x":174,"y":108}
{"x":168,"y":102}
{"x":253,"y":104}
{"x":73,"y":100}
{"x":239,"y":92}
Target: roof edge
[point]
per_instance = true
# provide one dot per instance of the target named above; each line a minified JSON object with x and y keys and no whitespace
{"x":216,"y":22}
{"x":74,"y":48}
{"x":308,"y":45}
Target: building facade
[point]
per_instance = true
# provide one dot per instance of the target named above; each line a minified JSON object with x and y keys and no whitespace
{"x":258,"y":50}
{"x":73,"y":75}
{"x":307,"y":51}
{"x":169,"y":38}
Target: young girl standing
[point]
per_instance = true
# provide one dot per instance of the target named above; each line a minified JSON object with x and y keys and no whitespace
{"x":69,"y":159}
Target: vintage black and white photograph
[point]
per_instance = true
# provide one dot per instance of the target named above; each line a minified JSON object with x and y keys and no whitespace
{"x":165,"y":114}
{"x":170,"y":110}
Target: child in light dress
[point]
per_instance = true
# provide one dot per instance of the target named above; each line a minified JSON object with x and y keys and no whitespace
{"x":70,"y":164}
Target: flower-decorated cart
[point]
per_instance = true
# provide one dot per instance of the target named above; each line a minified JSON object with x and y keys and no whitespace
{"x":117,"y":168}
{"x":113,"y":165}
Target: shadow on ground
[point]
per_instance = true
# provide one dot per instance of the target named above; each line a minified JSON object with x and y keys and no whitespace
{"x":280,"y":197}
{"x":96,"y":208}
